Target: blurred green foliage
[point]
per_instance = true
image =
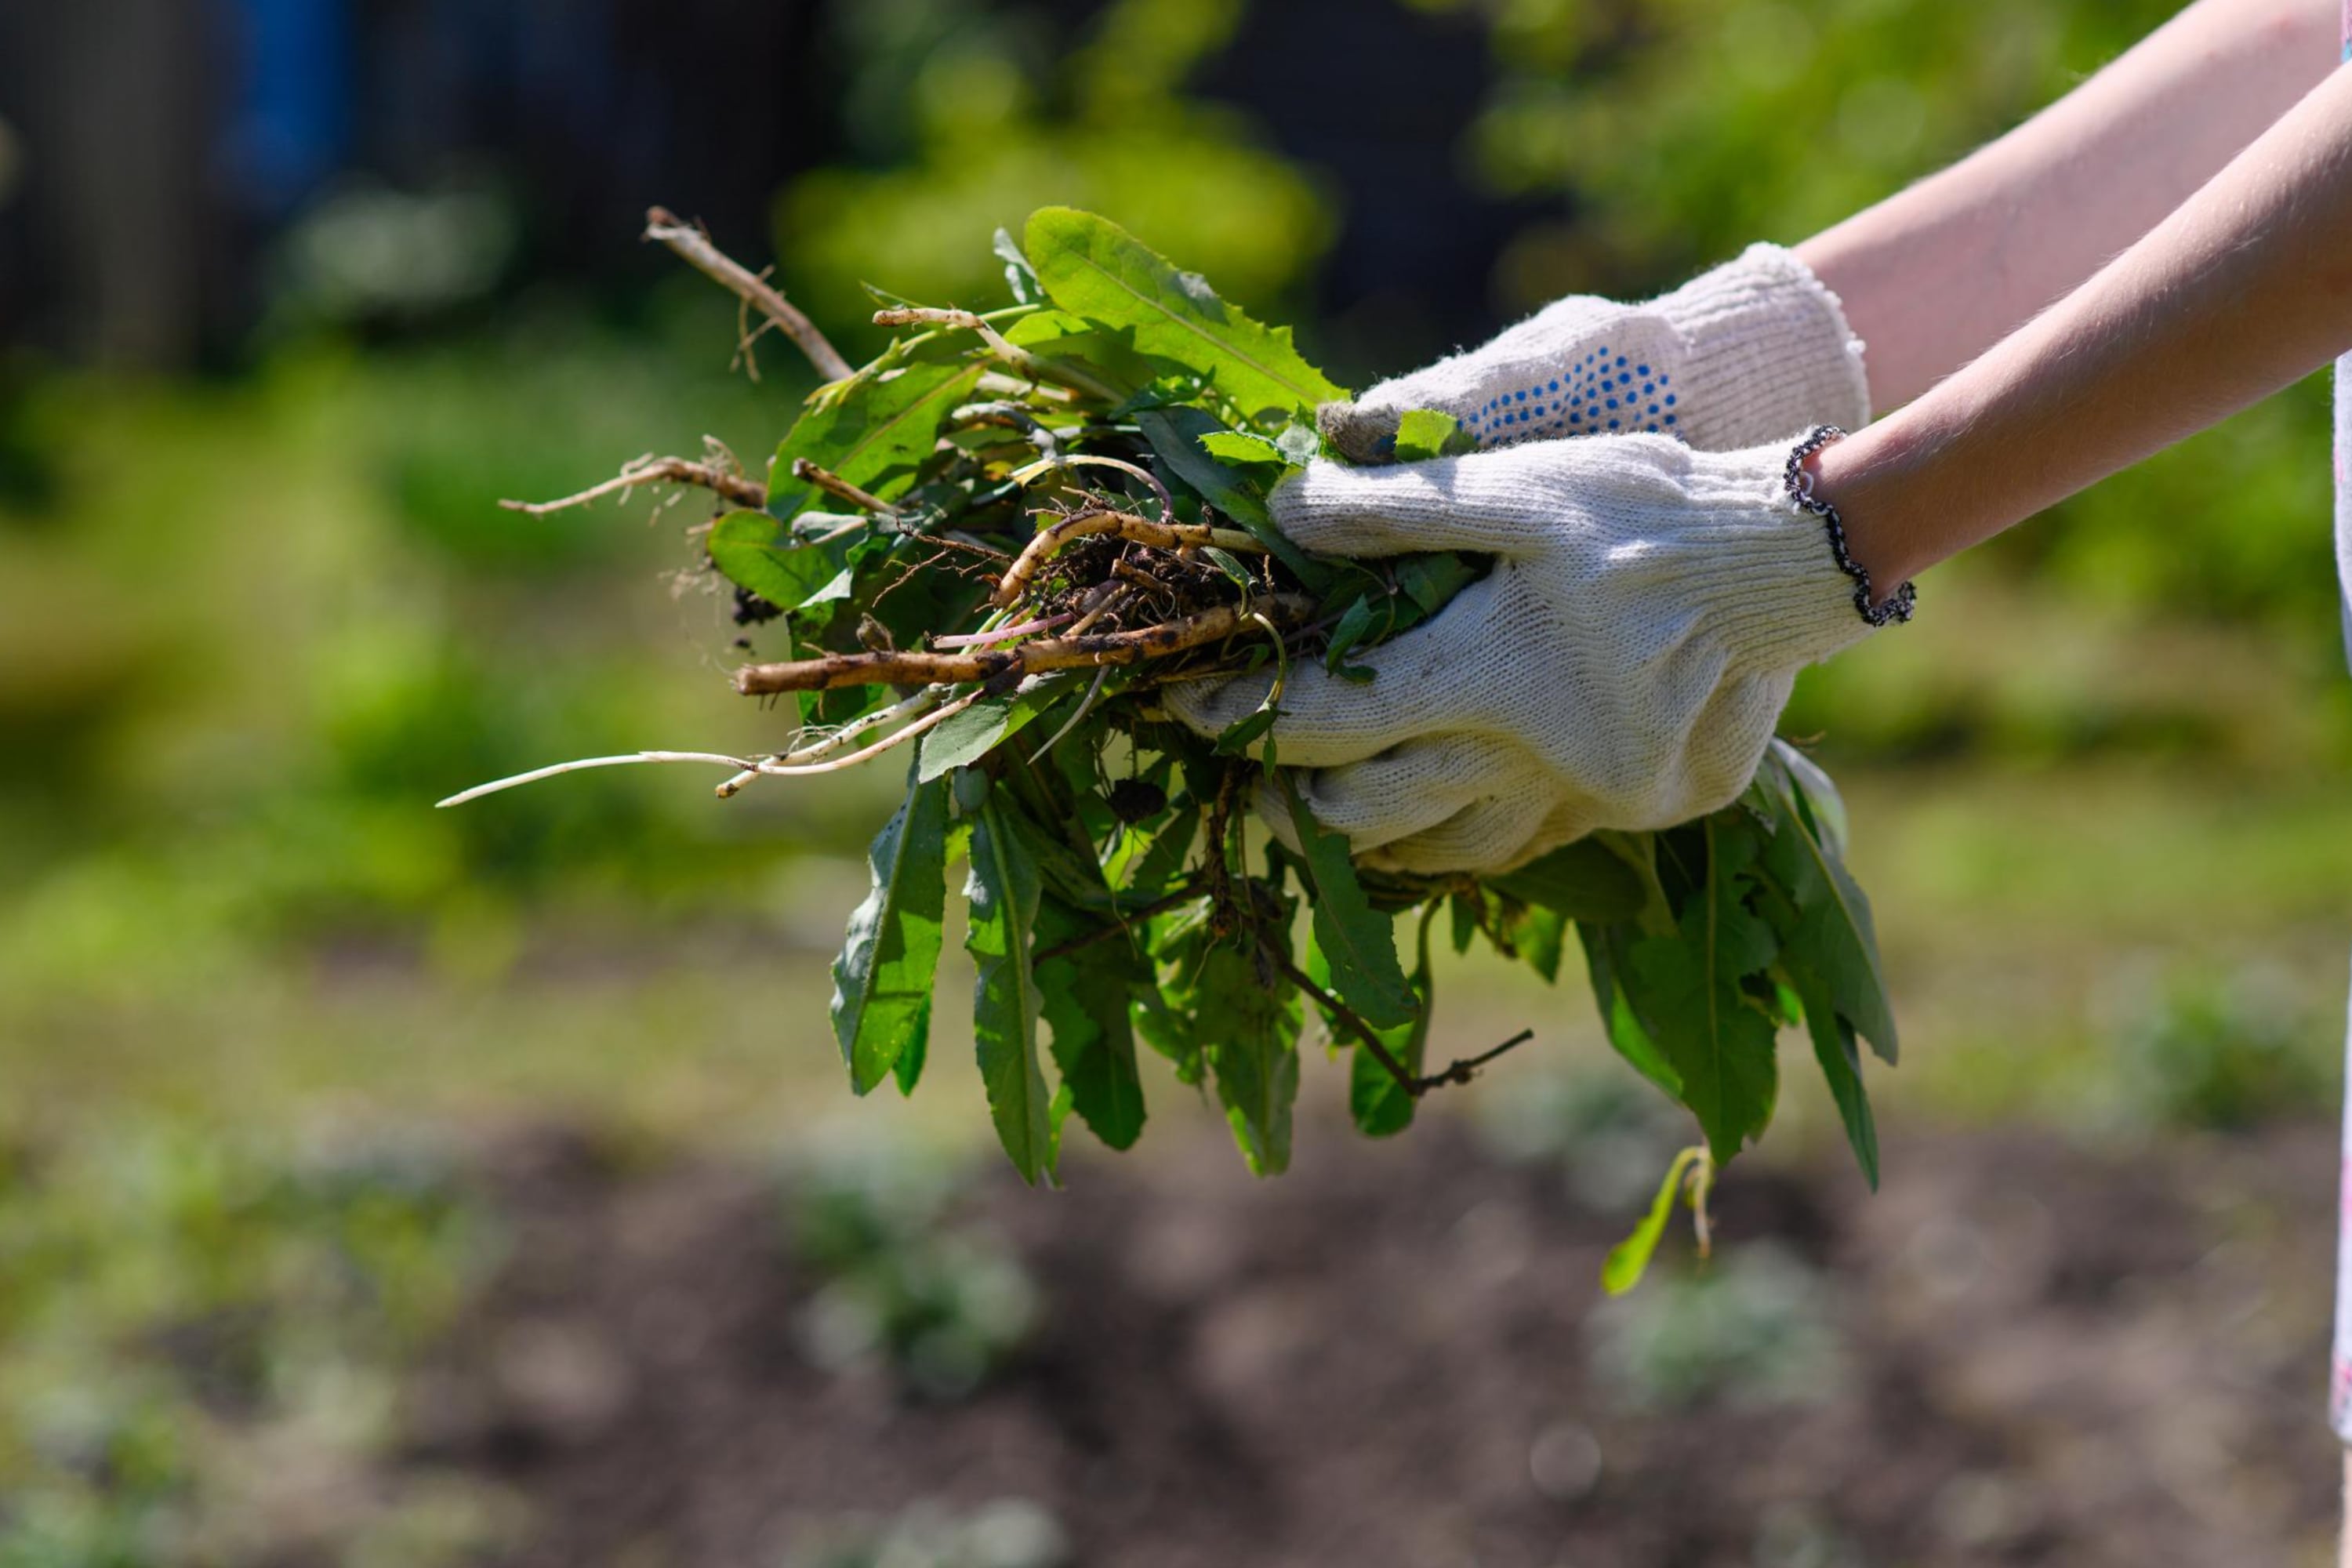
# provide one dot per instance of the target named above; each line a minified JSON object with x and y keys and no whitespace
{"x":204,"y":1335}
{"x":940,"y":1303}
{"x":970,"y":116}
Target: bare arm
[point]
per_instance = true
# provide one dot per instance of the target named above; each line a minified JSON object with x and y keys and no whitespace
{"x":1934,"y":275}
{"x":2245,"y":288}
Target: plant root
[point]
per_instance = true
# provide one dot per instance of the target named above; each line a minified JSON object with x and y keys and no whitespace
{"x":1126,"y":525}
{"x":650,"y":470}
{"x":839,"y":669}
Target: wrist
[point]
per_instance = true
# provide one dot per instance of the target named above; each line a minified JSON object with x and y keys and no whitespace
{"x":1876,"y":480}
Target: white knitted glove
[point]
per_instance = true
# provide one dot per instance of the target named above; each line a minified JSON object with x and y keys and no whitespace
{"x":1621,"y":666}
{"x":1756,"y":350}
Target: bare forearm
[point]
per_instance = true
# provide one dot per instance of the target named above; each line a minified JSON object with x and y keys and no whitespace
{"x":2245,"y":288}
{"x":1934,"y":275}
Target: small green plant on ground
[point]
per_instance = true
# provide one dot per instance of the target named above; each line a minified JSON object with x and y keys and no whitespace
{"x":200,"y":1340}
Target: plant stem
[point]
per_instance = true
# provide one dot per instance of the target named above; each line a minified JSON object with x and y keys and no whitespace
{"x":694,"y":246}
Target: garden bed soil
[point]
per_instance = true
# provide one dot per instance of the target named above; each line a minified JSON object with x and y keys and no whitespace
{"x":2020,"y":1351}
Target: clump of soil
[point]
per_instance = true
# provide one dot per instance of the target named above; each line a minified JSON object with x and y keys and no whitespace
{"x":2020,"y":1351}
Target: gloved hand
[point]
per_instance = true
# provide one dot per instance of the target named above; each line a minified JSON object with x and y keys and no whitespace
{"x":1621,"y":666}
{"x":1756,"y":350}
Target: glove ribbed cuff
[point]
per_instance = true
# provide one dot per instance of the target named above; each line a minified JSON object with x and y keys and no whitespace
{"x":1770,"y":353}
{"x":1780,"y":599}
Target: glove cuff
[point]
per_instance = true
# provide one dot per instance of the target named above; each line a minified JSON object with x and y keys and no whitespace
{"x":1772,"y":575}
{"x":1771,"y":354}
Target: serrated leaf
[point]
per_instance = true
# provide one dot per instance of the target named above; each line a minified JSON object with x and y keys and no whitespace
{"x":1092,"y":267}
{"x":1005,"y":891}
{"x":1629,"y":1258}
{"x":872,"y":429}
{"x":1688,"y":991}
{"x":1086,"y":1007}
{"x":753,"y":551}
{"x":882,"y":981}
{"x":1358,"y":942}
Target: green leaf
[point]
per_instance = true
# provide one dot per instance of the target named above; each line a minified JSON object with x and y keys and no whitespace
{"x":1003,"y":889}
{"x":1248,"y":1032}
{"x":872,"y":429}
{"x":1540,"y":935}
{"x":962,"y":740}
{"x":1019,"y":278}
{"x":1358,"y":942}
{"x":1379,"y":1104}
{"x":1246,"y":731}
{"x":744,"y":546}
{"x":1688,"y":991}
{"x":1605,"y":951}
{"x":1087,"y":996}
{"x":1824,"y":807}
{"x":1354,"y":623}
{"x":1246,"y":449}
{"x":882,"y":981}
{"x":1432,"y":581}
{"x":1629,"y":1258}
{"x":1583,"y":880}
{"x":1829,"y":943}
{"x":1095,"y":268}
{"x":1841,"y":1064}
{"x":1175,"y":435}
{"x":1425,"y":432}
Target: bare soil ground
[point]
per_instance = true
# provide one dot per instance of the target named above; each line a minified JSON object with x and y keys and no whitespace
{"x":2020,"y":1351}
